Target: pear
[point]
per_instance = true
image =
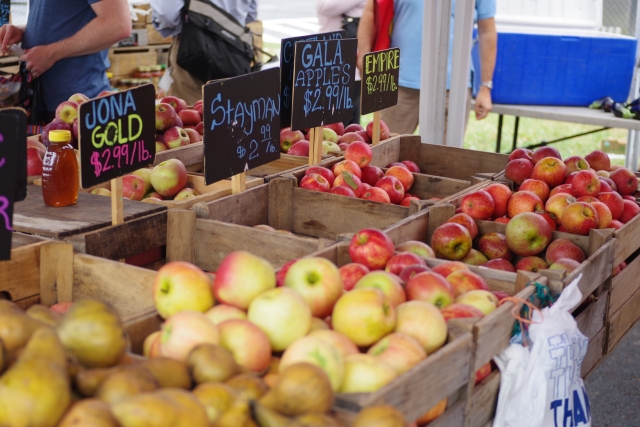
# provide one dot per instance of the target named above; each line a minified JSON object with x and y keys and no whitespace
{"x":238,"y":415}
{"x":216,"y":398}
{"x":209,"y":362}
{"x":146,"y":410}
{"x":35,"y":390}
{"x":301,"y":388}
{"x":126,"y":382}
{"x":314,"y":420}
{"x":266,"y":417}
{"x":169,"y":372}
{"x":379,"y":416}
{"x":192,"y":412}
{"x":87,"y":381}
{"x":248,"y":386}
{"x":3,"y":357}
{"x":16,"y":328}
{"x":94,"y":333}
{"x":43,"y":314}
{"x":89,"y":413}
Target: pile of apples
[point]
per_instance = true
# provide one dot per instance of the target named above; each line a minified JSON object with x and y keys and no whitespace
{"x":177,"y":125}
{"x":354,"y":177}
{"x":166,"y":181}
{"x":335,"y":138}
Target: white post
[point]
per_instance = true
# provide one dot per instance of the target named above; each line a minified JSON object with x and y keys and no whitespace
{"x":461,"y":64}
{"x":444,"y":21}
{"x":429,"y":72}
{"x":633,"y":140}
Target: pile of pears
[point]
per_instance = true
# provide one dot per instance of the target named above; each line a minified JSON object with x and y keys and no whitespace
{"x":76,"y":370}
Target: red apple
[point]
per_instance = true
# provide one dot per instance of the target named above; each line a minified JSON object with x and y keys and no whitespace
{"x":411,"y":271}
{"x":350,"y":180}
{"x":392,"y":164}
{"x":557,"y":203}
{"x":576,"y":164}
{"x":598,"y":160}
{"x":539,"y":188}
{"x":546,"y":151}
{"x":550,"y":218}
{"x":351,"y":273}
{"x":67,"y":111}
{"x":343,"y":190}
{"x":629,"y":212}
{"x":282,"y":273}
{"x":482,"y":373}
{"x":419,"y":248}
{"x":315,"y":182}
{"x":564,"y":248}
{"x":300,"y":148}
{"x":347,"y":166}
{"x":565,"y":264}
{"x":406,"y":201}
{"x":451,"y":241}
{"x":399,"y":261}
{"x":463,"y":281}
{"x":338,"y":128}
{"x":524,"y":201}
{"x":360,"y":153}
{"x":194,"y":136}
{"x":430,"y":287}
{"x":376,"y":194}
{"x":585,"y":183}
{"x":177,"y":103}
{"x":133,"y":187}
{"x":475,"y":257}
{"x":528,"y":234}
{"x":364,"y":135}
{"x":569,"y":178}
{"x":326,"y":173}
{"x":247,"y":343}
{"x":460,"y":311}
{"x":200,"y":128}
{"x":532,"y":263}
{"x":318,"y":281}
{"x":503,"y":220}
{"x":189,"y":117}
{"x":499,"y":264}
{"x":467,"y":222}
{"x":449,"y":267}
{"x":564,"y":188}
{"x":78,"y":98}
{"x":579,"y":218}
{"x":403,"y":174}
{"x":604,"y":214}
{"x":424,"y":322}
{"x":384,"y":130}
{"x":519,"y":170}
{"x":34,"y":161}
{"x":289,"y":137}
{"x":184,"y":331}
{"x":616,"y":224}
{"x":626,"y":181}
{"x":550,"y":170}
{"x":371,"y":248}
{"x":614,"y":202}
{"x":56,"y":124}
{"x":166,"y":117}
{"x":606,"y":185}
{"x":393,"y":187}
{"x":176,"y":137}
{"x":411,"y":166}
{"x":353,"y":127}
{"x":371,"y":175}
{"x":169,"y":177}
{"x":521,"y":153}
{"x":241,"y":277}
{"x":494,"y":245}
{"x":478,"y":205}
{"x":349,"y":138}
{"x":399,"y":351}
{"x":587,"y":199}
{"x":387,"y":283}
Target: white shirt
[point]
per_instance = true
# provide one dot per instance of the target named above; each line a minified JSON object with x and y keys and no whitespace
{"x":167,"y":18}
{"x":330,"y":12}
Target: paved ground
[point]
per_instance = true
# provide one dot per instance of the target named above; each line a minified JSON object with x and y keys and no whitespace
{"x":614,"y":388}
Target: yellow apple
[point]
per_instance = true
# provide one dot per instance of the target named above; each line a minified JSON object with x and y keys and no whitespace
{"x":484,"y":301}
{"x":364,"y":373}
{"x":424,"y":322}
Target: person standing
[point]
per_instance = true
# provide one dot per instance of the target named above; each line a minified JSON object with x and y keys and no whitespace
{"x":334,"y":15}
{"x":66,"y":44}
{"x":406,"y":34}
{"x":168,"y":20}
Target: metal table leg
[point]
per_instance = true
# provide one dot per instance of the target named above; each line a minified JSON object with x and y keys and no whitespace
{"x":499,"y":140}
{"x":515,"y":134}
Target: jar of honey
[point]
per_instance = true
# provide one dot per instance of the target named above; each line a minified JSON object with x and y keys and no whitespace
{"x":60,"y":175}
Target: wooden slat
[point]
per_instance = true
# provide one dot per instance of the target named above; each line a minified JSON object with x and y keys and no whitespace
{"x":280,"y":204}
{"x":459,"y":163}
{"x":452,"y":417}
{"x":214,"y":240}
{"x":90,"y":213}
{"x":622,"y":320}
{"x":595,"y":270}
{"x":124,"y":240}
{"x":624,"y":285}
{"x":20,"y":239}
{"x":20,"y":276}
{"x":414,"y":227}
{"x":285,"y":164}
{"x":181,"y":236}
{"x":139,"y":326}
{"x":595,"y":353}
{"x":593,"y":318}
{"x":327,"y":215}
{"x":189,"y":155}
{"x":428,"y":186}
{"x":248,"y":208}
{"x":627,"y":241}
{"x":56,"y":273}
{"x":127,"y":288}
{"x":484,"y":401}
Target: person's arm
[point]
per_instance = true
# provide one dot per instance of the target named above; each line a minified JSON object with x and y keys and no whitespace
{"x":488,"y":44}
{"x":366,"y":32}
{"x":111,"y":24}
{"x":10,"y":34}
{"x":336,"y":7}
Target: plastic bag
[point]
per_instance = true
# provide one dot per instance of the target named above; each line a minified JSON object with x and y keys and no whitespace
{"x":542,"y":387}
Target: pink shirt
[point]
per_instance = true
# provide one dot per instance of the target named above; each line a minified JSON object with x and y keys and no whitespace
{"x":330,"y":12}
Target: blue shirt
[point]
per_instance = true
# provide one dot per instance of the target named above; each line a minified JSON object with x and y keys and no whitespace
{"x":50,"y":21}
{"x":407,"y":35}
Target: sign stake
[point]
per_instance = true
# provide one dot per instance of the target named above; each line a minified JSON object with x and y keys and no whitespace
{"x":117,"y":206}
{"x":238,"y":183}
{"x":315,"y":149}
{"x":376,"y":128}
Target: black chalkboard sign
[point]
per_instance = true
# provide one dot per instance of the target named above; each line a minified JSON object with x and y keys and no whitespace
{"x":13,"y":171}
{"x":5,"y":11}
{"x":287,"y":51}
{"x":323,"y":82}
{"x":380,"y":73}
{"x":116,"y":134}
{"x":241,"y":119}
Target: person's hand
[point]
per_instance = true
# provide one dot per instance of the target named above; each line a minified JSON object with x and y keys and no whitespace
{"x":39,"y":59}
{"x":9,"y":35}
{"x":483,"y":103}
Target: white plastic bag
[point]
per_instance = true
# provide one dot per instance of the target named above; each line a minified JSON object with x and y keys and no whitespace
{"x":543,"y":387}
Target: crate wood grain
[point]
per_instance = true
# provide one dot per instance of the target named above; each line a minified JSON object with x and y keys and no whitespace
{"x":207,"y":193}
{"x":126,"y":61}
{"x":623,"y":320}
{"x":192,"y":156}
{"x":627,"y":240}
{"x":624,"y":285}
{"x":595,"y":353}
{"x":91,"y":212}
{"x":438,"y":160}
{"x":483,"y":401}
{"x":20,"y":276}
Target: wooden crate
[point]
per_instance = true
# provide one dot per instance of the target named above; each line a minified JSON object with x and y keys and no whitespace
{"x":126,"y":60}
{"x":624,"y":302}
{"x":207,"y":193}
{"x":592,"y":322}
{"x":413,"y":393}
{"x":19,"y":276}
{"x":627,"y":241}
{"x":438,"y":160}
{"x":192,"y":156}
{"x":154,"y":37}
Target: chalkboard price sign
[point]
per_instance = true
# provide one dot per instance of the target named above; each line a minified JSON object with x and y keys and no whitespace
{"x":241,"y":123}
{"x":323,"y":82}
{"x":287,"y":51}
{"x":13,"y":171}
{"x":117,"y":134}
{"x":381,"y":71}
{"x":5,"y":11}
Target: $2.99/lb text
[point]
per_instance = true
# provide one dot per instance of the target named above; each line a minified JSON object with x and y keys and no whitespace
{"x":106,"y":159}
